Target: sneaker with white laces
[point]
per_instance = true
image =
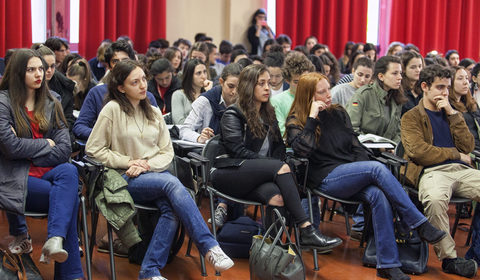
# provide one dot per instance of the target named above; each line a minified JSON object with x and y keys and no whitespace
{"x":218,"y":259}
{"x":22,"y":244}
{"x":157,"y":278}
{"x":220,"y":216}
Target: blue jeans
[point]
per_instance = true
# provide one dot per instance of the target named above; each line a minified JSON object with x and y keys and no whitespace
{"x":358,"y":219}
{"x":474,"y":250}
{"x":315,"y":210}
{"x":373,"y":183}
{"x":56,"y":193}
{"x":168,"y":194}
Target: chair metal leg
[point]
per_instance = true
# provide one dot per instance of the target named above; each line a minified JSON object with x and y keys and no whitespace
{"x":347,"y":220}
{"x":470,"y":231}
{"x":310,"y":211}
{"x":212,"y":215}
{"x":94,"y":221}
{"x":189,"y":247}
{"x":324,"y":209}
{"x":202,"y":264}
{"x":262,"y":216}
{"x":333,"y":211}
{"x":255,"y":212}
{"x":469,"y":237}
{"x":88,"y":261}
{"x":110,"y":248}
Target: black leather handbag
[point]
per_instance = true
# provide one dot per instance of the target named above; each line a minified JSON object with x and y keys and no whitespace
{"x":274,"y":260}
{"x":412,"y":251}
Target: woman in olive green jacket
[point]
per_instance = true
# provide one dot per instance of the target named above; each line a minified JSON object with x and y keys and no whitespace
{"x":376,"y":108}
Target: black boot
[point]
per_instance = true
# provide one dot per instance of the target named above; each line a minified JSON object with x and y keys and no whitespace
{"x":311,"y":237}
{"x":394,"y":273}
{"x":430,"y":233}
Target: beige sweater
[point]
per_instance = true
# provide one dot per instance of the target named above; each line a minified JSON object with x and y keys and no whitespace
{"x":116,"y":138}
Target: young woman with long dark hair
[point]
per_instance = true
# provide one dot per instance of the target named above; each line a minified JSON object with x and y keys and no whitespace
{"x":462,"y":100}
{"x":193,"y":84}
{"x":376,"y":108}
{"x":255,"y":149}
{"x":34,"y":153}
{"x":130,"y":135}
{"x":412,"y":65}
{"x":259,"y":32}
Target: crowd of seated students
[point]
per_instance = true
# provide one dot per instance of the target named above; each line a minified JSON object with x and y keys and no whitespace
{"x":304,"y":99}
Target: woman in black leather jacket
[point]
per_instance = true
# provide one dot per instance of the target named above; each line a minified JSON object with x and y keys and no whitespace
{"x":253,"y":168}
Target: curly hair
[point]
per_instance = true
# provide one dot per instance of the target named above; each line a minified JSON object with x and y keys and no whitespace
{"x":246,"y":94}
{"x":296,"y":64}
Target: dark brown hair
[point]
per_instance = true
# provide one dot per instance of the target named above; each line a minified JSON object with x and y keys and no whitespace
{"x":14,"y":82}
{"x":466,"y":103}
{"x":120,"y":73}
{"x":246,"y":90}
{"x":381,"y":66}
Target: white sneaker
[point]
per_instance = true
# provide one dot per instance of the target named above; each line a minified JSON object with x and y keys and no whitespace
{"x":157,"y":278}
{"x":22,"y":244}
{"x":218,"y":259}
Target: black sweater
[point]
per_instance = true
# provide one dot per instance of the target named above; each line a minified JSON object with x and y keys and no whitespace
{"x":337,"y":144}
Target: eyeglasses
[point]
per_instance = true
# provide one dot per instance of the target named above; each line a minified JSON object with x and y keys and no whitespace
{"x":52,"y":66}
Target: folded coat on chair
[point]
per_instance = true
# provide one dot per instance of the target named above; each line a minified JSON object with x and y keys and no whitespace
{"x":118,"y":208}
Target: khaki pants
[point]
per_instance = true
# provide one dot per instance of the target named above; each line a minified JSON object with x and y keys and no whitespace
{"x":436,"y":187}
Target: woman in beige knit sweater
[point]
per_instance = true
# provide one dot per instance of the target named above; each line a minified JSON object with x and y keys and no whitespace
{"x":130,"y":135}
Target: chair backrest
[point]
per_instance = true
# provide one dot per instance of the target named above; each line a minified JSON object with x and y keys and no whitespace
{"x":212,"y":150}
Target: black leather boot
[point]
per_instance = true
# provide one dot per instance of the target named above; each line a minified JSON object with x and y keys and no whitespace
{"x":429,"y":233}
{"x":311,"y":237}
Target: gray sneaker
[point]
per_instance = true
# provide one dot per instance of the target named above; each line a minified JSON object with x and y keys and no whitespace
{"x":220,"y":216}
{"x":460,"y":266}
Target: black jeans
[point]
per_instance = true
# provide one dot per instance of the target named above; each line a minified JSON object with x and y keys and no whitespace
{"x":248,"y":181}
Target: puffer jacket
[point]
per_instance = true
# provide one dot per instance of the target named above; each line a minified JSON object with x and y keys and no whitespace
{"x":417,"y":140}
{"x":239,"y":142}
{"x":16,"y":154}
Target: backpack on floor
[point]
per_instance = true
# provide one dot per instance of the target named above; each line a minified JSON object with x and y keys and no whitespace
{"x":235,"y":237}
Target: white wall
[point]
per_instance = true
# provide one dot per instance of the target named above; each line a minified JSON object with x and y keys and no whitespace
{"x":39,"y":21}
{"x":220,"y":19}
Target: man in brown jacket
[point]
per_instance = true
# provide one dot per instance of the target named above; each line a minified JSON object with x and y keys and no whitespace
{"x":437,"y":143}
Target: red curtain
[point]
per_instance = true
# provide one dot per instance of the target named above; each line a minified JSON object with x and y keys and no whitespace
{"x":141,"y":20}
{"x":332,"y":22}
{"x":15,"y":25}
{"x":437,"y":25}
